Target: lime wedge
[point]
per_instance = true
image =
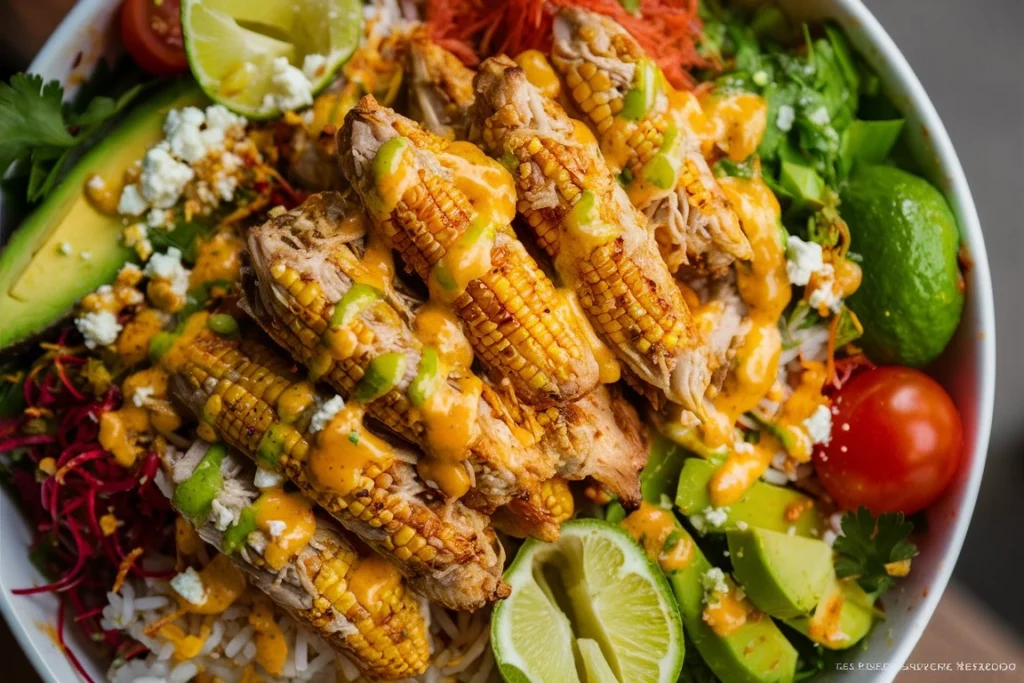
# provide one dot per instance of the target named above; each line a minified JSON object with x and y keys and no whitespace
{"x":593,"y":588}
{"x":261,"y":57}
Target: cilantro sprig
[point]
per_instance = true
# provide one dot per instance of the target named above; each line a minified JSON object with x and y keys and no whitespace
{"x":40,"y":130}
{"x":868,"y":544}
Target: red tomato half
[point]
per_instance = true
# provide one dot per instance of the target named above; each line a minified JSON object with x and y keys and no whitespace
{"x":151,"y":32}
{"x":896,"y":442}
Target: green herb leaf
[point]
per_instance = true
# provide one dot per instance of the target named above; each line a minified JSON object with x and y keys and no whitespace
{"x":30,"y":117}
{"x":868,"y":544}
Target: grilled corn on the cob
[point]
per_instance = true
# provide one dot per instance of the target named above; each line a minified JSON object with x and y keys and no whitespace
{"x":242,"y":394}
{"x":447,"y":210}
{"x":358,"y":604}
{"x":599,"y":243}
{"x":313,"y":262}
{"x":646,"y":135}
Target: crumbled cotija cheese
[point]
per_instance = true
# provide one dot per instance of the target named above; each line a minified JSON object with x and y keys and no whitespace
{"x":189,"y":585}
{"x":168,"y":266}
{"x":131,"y":202}
{"x":325,"y":413}
{"x":276,"y":527}
{"x":163,"y":177}
{"x":99,"y":328}
{"x":266,"y":479}
{"x":819,"y":425}
{"x":291,"y":89}
{"x":141,"y":395}
{"x":803,"y":259}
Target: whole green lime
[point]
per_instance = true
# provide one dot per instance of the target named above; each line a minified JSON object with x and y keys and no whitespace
{"x":912,"y":296}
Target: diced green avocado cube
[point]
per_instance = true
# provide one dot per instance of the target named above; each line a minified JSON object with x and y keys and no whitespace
{"x":764,"y":506}
{"x":642,"y":96}
{"x":270,"y":447}
{"x":428,"y":377}
{"x":661,"y":171}
{"x":382,"y":375}
{"x":223,"y":324}
{"x":39,"y":284}
{"x":235,"y":535}
{"x":389,"y":156}
{"x":160,"y":344}
{"x":782,"y":575}
{"x":803,"y":183}
{"x":357,"y":299}
{"x":856,"y":615}
{"x":194,"y":497}
{"x":868,"y":142}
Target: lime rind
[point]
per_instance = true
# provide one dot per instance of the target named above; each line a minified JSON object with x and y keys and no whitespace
{"x":614,"y":592}
{"x":232,"y":46}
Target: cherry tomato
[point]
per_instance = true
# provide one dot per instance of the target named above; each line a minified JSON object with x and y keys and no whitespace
{"x":896,"y":442}
{"x":151,"y":32}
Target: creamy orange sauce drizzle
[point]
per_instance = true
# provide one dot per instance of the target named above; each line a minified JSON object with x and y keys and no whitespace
{"x":734,"y":123}
{"x":133,"y":342}
{"x":742,"y":467}
{"x":373,"y":578}
{"x":450,"y":418}
{"x":537,"y":68}
{"x":295,"y":401}
{"x":271,"y":647}
{"x":651,"y":526}
{"x":224,"y":583}
{"x":119,"y":432}
{"x":344,"y":451}
{"x":607,"y":362}
{"x":175,"y":356}
{"x":825,"y":626}
{"x":728,"y":612}
{"x":438,"y":326}
{"x":296,"y":512}
{"x":218,"y":259}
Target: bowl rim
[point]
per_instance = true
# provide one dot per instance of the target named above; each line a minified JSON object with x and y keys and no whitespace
{"x":85,"y":13}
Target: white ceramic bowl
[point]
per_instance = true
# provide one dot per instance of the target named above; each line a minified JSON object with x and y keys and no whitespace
{"x":967,"y":369}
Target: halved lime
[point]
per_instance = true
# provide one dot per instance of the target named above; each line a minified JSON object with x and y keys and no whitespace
{"x":262,"y":57}
{"x":590,"y":607}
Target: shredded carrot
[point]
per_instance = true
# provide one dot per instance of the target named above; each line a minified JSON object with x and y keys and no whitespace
{"x":473,"y":29}
{"x":151,"y":629}
{"x":124,"y":567}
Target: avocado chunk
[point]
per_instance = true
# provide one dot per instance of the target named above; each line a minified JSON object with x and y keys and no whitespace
{"x":357,"y":299}
{"x":662,"y":171}
{"x":764,"y":506}
{"x":843,"y":617}
{"x":782,"y":575}
{"x":428,"y":377}
{"x":644,"y":94}
{"x":236,"y":534}
{"x":194,"y":497}
{"x":39,"y":284}
{"x":271,"y":446}
{"x":730,"y":658}
{"x":382,"y":375}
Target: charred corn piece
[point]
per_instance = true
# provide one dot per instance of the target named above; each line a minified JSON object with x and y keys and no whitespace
{"x":645,"y":133}
{"x":373,"y":491}
{"x":600,"y":244}
{"x":358,"y":604}
{"x":447,"y":210}
{"x":554,"y":497}
{"x":310,"y":264}
{"x":441,"y":87}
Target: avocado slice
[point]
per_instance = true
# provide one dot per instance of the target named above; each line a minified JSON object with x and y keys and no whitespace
{"x":194,"y":497}
{"x":843,"y":617}
{"x":764,"y":506}
{"x":730,"y":658}
{"x":38,"y":284}
{"x":782,"y":575}
{"x":357,"y":299}
{"x":236,"y":534}
{"x":428,"y":377}
{"x":382,"y":374}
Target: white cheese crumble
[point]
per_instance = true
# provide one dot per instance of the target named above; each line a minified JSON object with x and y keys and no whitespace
{"x":819,"y":425}
{"x":85,"y":255}
{"x":803,"y":259}
{"x":168,"y":266}
{"x":100,"y":328}
{"x":784,"y":121}
{"x":743,"y":447}
{"x":141,"y":395}
{"x":189,"y":585}
{"x":276,"y":527}
{"x":825,"y":295}
{"x":222,"y":516}
{"x":266,"y":479}
{"x":219,"y":118}
{"x":163,"y":177}
{"x":819,"y":117}
{"x":716,"y":517}
{"x":158,"y":218}
{"x":713,"y":583}
{"x":829,"y":537}
{"x":741,"y":525}
{"x":64,"y":248}
{"x":325,"y":413}
{"x":96,"y":182}
{"x":131,"y":202}
{"x":183,"y":132}
{"x":313,"y":66}
{"x":290,"y":88}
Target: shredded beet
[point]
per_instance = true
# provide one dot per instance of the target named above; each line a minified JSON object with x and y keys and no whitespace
{"x":86,"y":483}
